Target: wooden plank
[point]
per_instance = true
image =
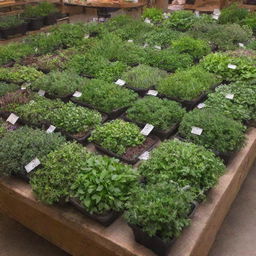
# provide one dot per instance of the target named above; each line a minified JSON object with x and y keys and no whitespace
{"x":80,"y":236}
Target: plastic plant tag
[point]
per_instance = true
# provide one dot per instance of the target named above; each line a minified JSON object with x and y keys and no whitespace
{"x":215,"y":17}
{"x":147,"y":129}
{"x":241,"y":45}
{"x":201,"y":105}
{"x":51,"y":129}
{"x":147,"y":20}
{"x":41,"y":92}
{"x":216,"y":11}
{"x":157,"y":47}
{"x":47,"y":34}
{"x":130,"y":41}
{"x":144,"y":156}
{"x":152,"y":92}
{"x":32,"y":165}
{"x":77,"y":94}
{"x":86,"y":36}
{"x":24,"y":86}
{"x":94,"y":19}
{"x":36,"y":49}
{"x":145,"y":45}
{"x":196,"y":130}
{"x":165,"y":15}
{"x":231,"y":66}
{"x":197,"y":13}
{"x":229,"y":96}
{"x":12,"y":118}
{"x":120,"y":82}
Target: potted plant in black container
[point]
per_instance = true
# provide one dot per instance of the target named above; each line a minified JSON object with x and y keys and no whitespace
{"x":34,"y":17}
{"x":49,"y":11}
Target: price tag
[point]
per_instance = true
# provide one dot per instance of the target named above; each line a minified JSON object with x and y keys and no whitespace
{"x":12,"y":118}
{"x":231,"y":66}
{"x":120,"y":82}
{"x":77,"y":94}
{"x":147,"y":129}
{"x":32,"y":165}
{"x":86,"y":36}
{"x":41,"y":92}
{"x":201,"y":105}
{"x":241,"y":45}
{"x":197,"y":13}
{"x":196,"y":130}
{"x":144,"y":156}
{"x":51,"y":129}
{"x":152,"y":92}
{"x":157,"y":47}
{"x":145,"y":45}
{"x":130,"y":41}
{"x":229,"y":96}
{"x":147,"y":20}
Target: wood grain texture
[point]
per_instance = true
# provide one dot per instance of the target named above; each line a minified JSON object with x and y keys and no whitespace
{"x":80,"y":236}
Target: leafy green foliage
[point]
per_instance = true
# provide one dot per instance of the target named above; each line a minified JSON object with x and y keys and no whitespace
{"x":10,"y":21}
{"x":233,"y":14}
{"x":218,"y":63}
{"x":159,"y":209}
{"x":59,"y":84}
{"x":143,"y":76}
{"x":161,"y":113}
{"x":52,"y":183}
{"x":105,"y":96}
{"x":195,"y":47}
{"x":103,"y":185}
{"x":21,"y":146}
{"x":155,"y":15}
{"x":184,"y":163}
{"x":5,"y":87}
{"x":47,"y":8}
{"x":220,"y":133}
{"x":180,"y":20}
{"x":241,"y":107}
{"x":42,"y":9}
{"x":117,"y":136}
{"x":187,"y":84}
{"x":250,"y":21}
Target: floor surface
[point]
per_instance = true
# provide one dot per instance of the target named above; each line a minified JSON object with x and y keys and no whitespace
{"x":236,"y":237}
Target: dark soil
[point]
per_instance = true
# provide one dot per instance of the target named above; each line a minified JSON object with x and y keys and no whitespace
{"x":136,"y":151}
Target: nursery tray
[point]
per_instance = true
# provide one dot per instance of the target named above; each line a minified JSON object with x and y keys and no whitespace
{"x":80,"y":236}
{"x":141,"y":91}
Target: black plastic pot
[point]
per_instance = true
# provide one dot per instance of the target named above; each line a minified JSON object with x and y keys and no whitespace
{"x":35,"y":23}
{"x":105,"y":219}
{"x":50,"y":19}
{"x":20,"y":29}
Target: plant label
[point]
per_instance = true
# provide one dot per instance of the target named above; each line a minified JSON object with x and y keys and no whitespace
{"x":147,"y":129}
{"x":51,"y":129}
{"x":187,"y":187}
{"x":165,"y":15}
{"x":216,"y":12}
{"x":157,"y":47}
{"x":197,"y":13}
{"x":147,"y":20}
{"x":32,"y":165}
{"x":41,"y":92}
{"x":229,"y":96}
{"x":196,"y":130}
{"x":12,"y":118}
{"x":130,"y":41}
{"x":94,"y":19}
{"x":145,"y":45}
{"x":36,"y":50}
{"x":86,"y":36}
{"x":47,"y":34}
{"x":101,"y":19}
{"x":201,"y":105}
{"x":77,"y":94}
{"x":215,"y":17}
{"x":24,"y":86}
{"x":231,"y":66}
{"x":241,"y":45}
{"x":31,"y":102}
{"x":152,"y":92}
{"x":120,"y":82}
{"x":144,"y":156}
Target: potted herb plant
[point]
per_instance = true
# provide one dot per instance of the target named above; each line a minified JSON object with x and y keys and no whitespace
{"x":49,"y":12}
{"x":34,"y":17}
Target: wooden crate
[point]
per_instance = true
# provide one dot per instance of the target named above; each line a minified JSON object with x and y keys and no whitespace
{"x":80,"y":236}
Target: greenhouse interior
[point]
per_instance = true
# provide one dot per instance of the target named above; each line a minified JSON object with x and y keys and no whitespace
{"x":127,"y":128}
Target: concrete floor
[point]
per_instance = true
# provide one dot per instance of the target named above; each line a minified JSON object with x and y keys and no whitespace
{"x":236,"y":237}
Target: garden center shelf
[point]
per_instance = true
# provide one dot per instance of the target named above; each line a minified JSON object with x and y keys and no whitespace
{"x":80,"y":236}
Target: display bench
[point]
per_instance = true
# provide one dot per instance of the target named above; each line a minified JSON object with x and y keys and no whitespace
{"x":80,"y":236}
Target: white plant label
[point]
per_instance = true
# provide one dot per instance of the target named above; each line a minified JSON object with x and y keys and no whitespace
{"x":51,"y":129}
{"x":152,"y":92}
{"x":32,"y":165}
{"x":187,"y":187}
{"x":166,"y":16}
{"x":147,"y":20}
{"x":147,"y":129}
{"x":130,"y":41}
{"x":241,"y":45}
{"x":36,"y":49}
{"x":144,"y":156}
{"x":120,"y":82}
{"x":145,"y":45}
{"x":86,"y":36}
{"x":95,"y":19}
{"x":201,"y":105}
{"x":196,"y":130}
{"x":157,"y":47}
{"x":216,"y":11}
{"x":229,"y":96}
{"x":47,"y":34}
{"x":197,"y":13}
{"x":41,"y":92}
{"x":77,"y":94}
{"x":101,"y":19}
{"x":232,"y":66}
{"x":12,"y":118}
{"x":24,"y":86}
{"x":215,"y":17}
